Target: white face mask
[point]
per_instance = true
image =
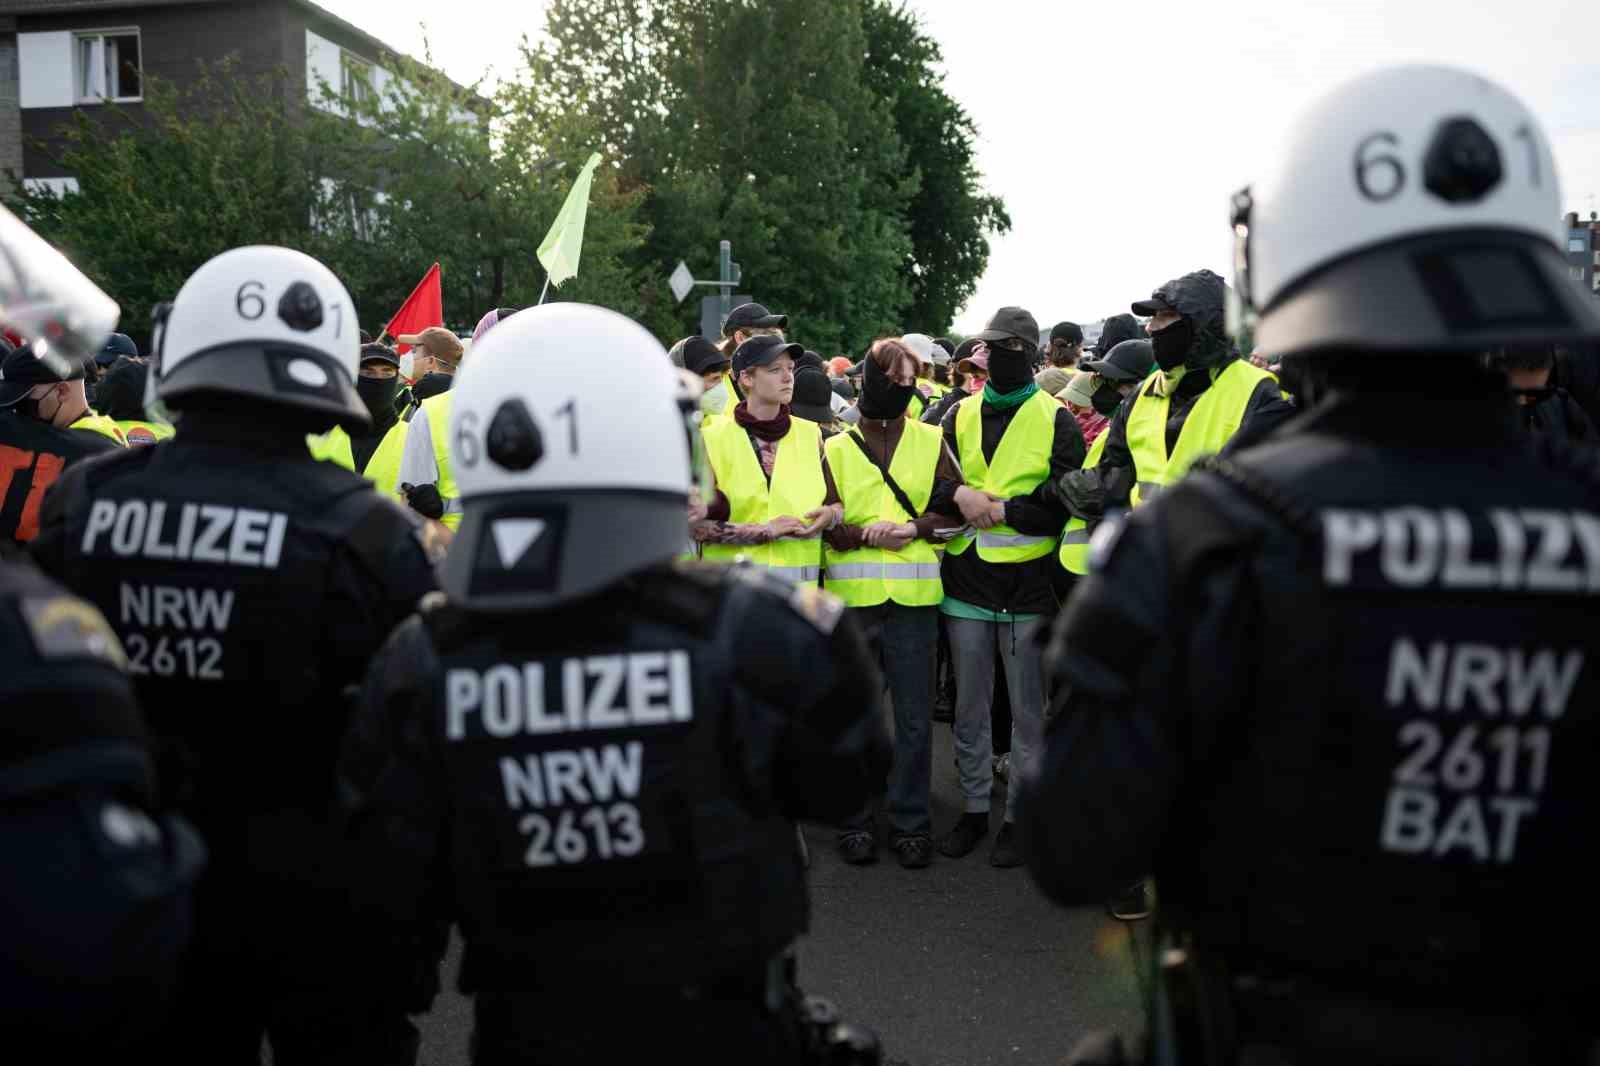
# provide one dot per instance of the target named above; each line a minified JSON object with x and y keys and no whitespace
{"x":408,"y":366}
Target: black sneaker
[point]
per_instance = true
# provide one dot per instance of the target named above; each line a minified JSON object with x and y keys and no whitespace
{"x":1133,"y":903}
{"x":1005,"y":853}
{"x":965,"y":836}
{"x":858,"y":848}
{"x":914,"y":849}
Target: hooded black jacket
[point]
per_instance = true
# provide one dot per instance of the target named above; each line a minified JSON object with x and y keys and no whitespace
{"x":1087,"y":493}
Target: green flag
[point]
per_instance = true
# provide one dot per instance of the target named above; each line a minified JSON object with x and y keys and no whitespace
{"x":563,"y":245}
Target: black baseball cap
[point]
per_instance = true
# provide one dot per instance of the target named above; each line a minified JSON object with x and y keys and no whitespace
{"x":21,"y":370}
{"x":1131,"y":360}
{"x":813,"y":395}
{"x":1010,"y":322}
{"x":1070,"y":332}
{"x":753,"y":316}
{"x":759,"y":351}
{"x":700,"y":356}
{"x":117,"y":345}
{"x":379,"y":353}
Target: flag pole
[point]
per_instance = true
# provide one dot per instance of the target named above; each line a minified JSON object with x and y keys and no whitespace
{"x":545,"y":289}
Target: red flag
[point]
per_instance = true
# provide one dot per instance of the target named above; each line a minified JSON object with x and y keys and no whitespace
{"x":423,"y":308}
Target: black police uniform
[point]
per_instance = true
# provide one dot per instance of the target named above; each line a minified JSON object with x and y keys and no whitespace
{"x":250,"y":585}
{"x":95,"y":887}
{"x":1350,"y":729}
{"x":601,"y":797}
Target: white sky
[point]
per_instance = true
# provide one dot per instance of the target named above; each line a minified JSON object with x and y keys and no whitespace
{"x":1116,"y":130}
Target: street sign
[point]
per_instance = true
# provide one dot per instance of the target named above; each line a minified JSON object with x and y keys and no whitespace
{"x":681,"y":281}
{"x":711,"y":315}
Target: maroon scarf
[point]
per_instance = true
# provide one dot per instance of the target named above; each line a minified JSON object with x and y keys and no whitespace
{"x":772,"y":429}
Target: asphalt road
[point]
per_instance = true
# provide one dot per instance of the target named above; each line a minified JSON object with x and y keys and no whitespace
{"x":959,"y":964}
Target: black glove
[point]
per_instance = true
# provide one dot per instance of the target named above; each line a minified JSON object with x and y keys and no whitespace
{"x":425,"y":500}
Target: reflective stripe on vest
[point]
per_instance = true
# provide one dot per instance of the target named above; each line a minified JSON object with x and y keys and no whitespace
{"x":332,"y":447}
{"x":1212,"y":421}
{"x":140,"y":433}
{"x":1074,"y":554}
{"x":868,"y":576}
{"x":383,"y":466}
{"x":438,"y":408}
{"x":797,"y":488}
{"x":1021,"y":462}
{"x":97,"y":423}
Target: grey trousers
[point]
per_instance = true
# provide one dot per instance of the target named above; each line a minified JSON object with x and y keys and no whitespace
{"x":974,"y":645}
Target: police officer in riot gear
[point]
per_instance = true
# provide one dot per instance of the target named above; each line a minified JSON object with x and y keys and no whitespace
{"x":250,"y":585}
{"x":95,"y":888}
{"x":588,"y":756}
{"x":1360,"y":703}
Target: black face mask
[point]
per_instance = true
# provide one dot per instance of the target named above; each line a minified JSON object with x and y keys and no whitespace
{"x":1008,"y":370}
{"x":1106,"y":399}
{"x":881,"y":398}
{"x":1173,"y":343}
{"x":378,"y":394}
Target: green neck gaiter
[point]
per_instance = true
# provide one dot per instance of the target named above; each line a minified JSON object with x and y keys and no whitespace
{"x":1005,"y":401}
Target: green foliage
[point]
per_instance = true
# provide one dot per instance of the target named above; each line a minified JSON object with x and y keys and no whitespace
{"x":378,"y":190}
{"x":797,"y":154}
{"x":951,"y":217}
{"x":815,"y":135}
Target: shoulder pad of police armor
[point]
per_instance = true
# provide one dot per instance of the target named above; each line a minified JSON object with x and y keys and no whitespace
{"x":442,"y":619}
{"x":821,"y":610}
{"x":87,"y":473}
{"x":1261,"y":490}
{"x":62,"y":626}
{"x":682,"y":593}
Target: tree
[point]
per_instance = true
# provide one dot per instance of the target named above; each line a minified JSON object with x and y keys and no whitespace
{"x":160,"y":196}
{"x":785,"y":153}
{"x":950,"y":215}
{"x":377,"y":189}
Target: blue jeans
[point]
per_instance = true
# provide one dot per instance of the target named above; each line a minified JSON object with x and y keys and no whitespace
{"x":904,"y":639}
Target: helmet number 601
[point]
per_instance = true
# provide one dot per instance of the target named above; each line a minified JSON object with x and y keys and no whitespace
{"x":1379,"y":176}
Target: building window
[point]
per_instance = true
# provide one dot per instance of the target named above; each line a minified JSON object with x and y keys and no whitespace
{"x":1577,"y":273}
{"x":105,"y":66}
{"x":1577,"y":244}
{"x":355,"y":77}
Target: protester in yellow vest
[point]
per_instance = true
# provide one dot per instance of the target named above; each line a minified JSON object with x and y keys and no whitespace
{"x":897,"y":483}
{"x":375,"y":454}
{"x":742,"y":323}
{"x":1013,"y":442}
{"x":120,"y":397}
{"x":1114,"y":378}
{"x":64,"y":403}
{"x":1202,"y":394}
{"x":425,"y":480}
{"x":773,"y":496}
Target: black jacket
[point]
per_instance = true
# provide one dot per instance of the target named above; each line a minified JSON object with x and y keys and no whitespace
{"x":1287,"y":692}
{"x":771,"y":715}
{"x":1016,"y":588}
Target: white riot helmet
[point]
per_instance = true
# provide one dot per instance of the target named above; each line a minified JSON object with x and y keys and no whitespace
{"x":269,"y":323}
{"x":569,"y":446}
{"x":1414,"y":208}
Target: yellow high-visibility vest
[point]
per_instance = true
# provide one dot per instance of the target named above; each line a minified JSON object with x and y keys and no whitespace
{"x":332,"y":447}
{"x":1021,"y":462}
{"x":797,"y":488}
{"x":141,"y":433}
{"x":383,"y":466}
{"x":97,"y":423}
{"x":438,"y":408}
{"x":1212,"y":421}
{"x":1075,"y":537}
{"x":869,"y":576}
